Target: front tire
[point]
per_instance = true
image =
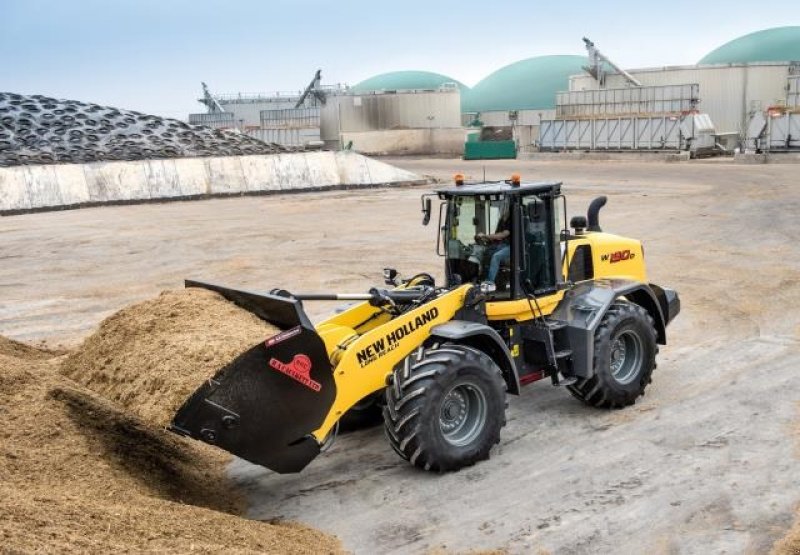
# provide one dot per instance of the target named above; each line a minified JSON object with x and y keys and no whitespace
{"x":624,"y":358}
{"x":445,"y":407}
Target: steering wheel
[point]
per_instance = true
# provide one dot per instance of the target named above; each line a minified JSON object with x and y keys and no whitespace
{"x":483,"y":240}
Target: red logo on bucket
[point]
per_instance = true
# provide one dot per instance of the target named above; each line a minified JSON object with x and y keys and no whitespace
{"x":299,"y":369}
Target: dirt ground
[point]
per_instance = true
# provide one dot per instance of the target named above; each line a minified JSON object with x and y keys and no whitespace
{"x":705,"y":462}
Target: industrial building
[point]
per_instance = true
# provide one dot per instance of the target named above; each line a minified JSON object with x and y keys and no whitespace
{"x":743,"y":95}
{"x":419,"y":112}
{"x":745,"y":75}
{"x":746,"y":78}
{"x":287,"y":118}
{"x":402,"y":112}
{"x":405,"y":121}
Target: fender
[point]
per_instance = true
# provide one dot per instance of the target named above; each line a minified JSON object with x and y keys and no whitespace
{"x":483,"y":338}
{"x":584,"y":306}
{"x":642,"y":294}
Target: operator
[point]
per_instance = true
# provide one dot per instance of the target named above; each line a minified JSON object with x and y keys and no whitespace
{"x":500,"y":239}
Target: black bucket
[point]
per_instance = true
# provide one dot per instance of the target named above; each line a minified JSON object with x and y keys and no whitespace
{"x":265,"y":404}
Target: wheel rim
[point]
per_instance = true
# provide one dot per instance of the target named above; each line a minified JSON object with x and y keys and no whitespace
{"x":462,"y":414}
{"x":626,"y":357}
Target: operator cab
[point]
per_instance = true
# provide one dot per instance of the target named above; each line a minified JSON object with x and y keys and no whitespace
{"x":505,"y":233}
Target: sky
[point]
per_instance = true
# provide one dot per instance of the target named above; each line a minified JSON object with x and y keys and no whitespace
{"x":150,"y":55}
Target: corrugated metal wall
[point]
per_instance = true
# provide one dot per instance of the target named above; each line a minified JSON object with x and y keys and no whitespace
{"x":622,"y":133}
{"x":727,"y":93}
{"x":287,"y":137}
{"x":290,"y":118}
{"x":402,"y":110}
{"x":793,"y":94}
{"x":250,"y":110}
{"x":784,"y":132}
{"x":220,"y":120}
{"x":649,"y":100}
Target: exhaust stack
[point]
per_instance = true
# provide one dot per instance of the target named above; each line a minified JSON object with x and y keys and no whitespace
{"x":593,"y":213}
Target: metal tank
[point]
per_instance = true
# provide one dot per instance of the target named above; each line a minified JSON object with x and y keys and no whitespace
{"x":390,"y":110}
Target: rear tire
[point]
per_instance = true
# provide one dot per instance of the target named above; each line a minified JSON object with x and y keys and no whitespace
{"x":624,"y":358}
{"x":445,"y":407}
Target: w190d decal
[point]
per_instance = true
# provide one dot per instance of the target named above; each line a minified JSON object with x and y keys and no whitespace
{"x":618,"y":256}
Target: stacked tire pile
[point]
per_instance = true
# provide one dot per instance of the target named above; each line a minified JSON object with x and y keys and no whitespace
{"x":41,"y":130}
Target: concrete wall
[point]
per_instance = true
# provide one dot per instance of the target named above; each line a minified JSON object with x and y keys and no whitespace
{"x":25,"y":188}
{"x":408,"y":141}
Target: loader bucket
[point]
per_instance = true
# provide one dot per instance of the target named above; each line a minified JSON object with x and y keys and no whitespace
{"x":264,"y":404}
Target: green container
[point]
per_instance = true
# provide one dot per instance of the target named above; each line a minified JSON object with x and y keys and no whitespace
{"x":489,"y":150}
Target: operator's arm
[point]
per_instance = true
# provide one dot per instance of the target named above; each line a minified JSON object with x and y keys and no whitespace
{"x":499,"y":236}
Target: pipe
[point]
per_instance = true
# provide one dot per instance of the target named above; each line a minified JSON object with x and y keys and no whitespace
{"x":332,"y":296}
{"x":593,"y":213}
{"x":595,"y":55}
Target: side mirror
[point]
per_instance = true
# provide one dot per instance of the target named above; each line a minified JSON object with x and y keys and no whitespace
{"x":390,"y":276}
{"x":426,"y":211}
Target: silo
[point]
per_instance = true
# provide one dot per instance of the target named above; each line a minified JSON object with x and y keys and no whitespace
{"x":400,"y":113}
{"x":521,"y":94}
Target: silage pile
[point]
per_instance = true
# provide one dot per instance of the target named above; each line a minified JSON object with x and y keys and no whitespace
{"x":790,"y":544}
{"x":80,"y":474}
{"x":149,"y":357}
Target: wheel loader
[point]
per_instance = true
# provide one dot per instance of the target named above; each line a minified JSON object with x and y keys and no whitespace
{"x":524,"y":298}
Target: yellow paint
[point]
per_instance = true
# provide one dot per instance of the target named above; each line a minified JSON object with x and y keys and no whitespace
{"x":361,"y":327}
{"x":604,"y":245}
{"x":520,"y":310}
{"x":354,"y":381}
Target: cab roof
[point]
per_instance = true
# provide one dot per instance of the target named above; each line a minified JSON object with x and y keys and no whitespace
{"x":500,"y":188}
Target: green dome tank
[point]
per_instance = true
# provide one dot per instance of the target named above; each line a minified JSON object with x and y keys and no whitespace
{"x":527,"y":84}
{"x":401,"y":80}
{"x":780,"y":44}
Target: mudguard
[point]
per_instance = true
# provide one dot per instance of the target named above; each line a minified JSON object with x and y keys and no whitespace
{"x":584,"y":306}
{"x":486,"y":339}
{"x":668,"y":300}
{"x":265,"y":404}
